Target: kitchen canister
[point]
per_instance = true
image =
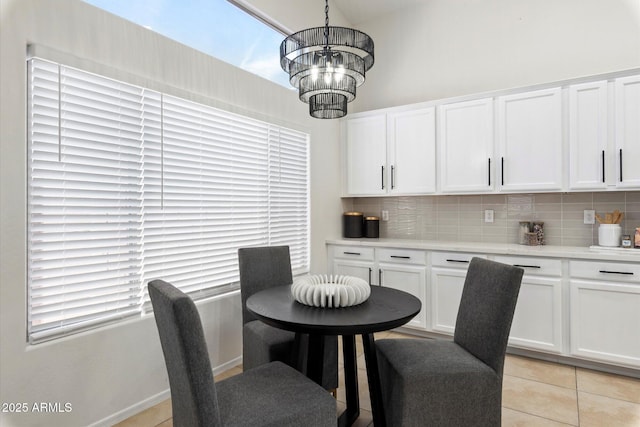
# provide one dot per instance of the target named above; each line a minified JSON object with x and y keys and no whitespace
{"x":371,"y":227}
{"x":352,"y":224}
{"x":609,"y":235}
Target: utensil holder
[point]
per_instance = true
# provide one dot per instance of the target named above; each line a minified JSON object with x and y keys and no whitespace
{"x":609,"y":235}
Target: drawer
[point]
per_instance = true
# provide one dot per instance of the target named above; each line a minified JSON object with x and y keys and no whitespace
{"x":534,"y":265}
{"x":453,"y":259}
{"x":353,"y":252}
{"x":402,"y":256}
{"x":604,"y":270}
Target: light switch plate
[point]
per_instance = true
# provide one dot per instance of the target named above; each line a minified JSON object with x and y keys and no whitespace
{"x":488,"y":215}
{"x":589,"y":216}
{"x":385,"y":215}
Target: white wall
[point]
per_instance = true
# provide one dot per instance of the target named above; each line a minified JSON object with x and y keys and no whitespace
{"x":446,"y":48}
{"x":110,"y":373}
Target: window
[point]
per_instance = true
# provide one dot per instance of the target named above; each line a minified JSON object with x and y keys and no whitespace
{"x":220,"y":28}
{"x":127,"y":185}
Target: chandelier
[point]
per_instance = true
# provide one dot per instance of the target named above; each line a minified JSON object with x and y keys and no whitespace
{"x":326,"y":65}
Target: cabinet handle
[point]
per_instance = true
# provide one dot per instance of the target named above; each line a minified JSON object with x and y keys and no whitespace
{"x":399,"y":256}
{"x":489,"y":172}
{"x":382,"y":175}
{"x":380,"y":277}
{"x":458,"y":260}
{"x":502,"y":170}
{"x":526,"y":266}
{"x":602,"y":165}
{"x":393,"y":172}
{"x":621,"y":165}
{"x":352,"y":253}
{"x":628,"y":273}
{"x":370,"y":276}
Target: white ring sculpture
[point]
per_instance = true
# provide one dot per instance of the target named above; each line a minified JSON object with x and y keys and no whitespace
{"x":330,"y":291}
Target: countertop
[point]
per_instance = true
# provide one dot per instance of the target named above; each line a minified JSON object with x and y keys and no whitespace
{"x":550,"y":251}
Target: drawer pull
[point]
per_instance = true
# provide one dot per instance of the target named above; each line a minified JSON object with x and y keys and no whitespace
{"x":399,"y":256}
{"x":458,"y":260}
{"x":352,"y":253}
{"x":628,"y":273}
{"x":526,"y":266}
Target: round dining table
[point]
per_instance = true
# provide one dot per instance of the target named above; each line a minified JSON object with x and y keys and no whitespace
{"x":385,"y":309}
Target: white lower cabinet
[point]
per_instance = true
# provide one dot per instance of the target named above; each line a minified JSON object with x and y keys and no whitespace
{"x":448,"y":273}
{"x":589,"y":310}
{"x":537,"y":321}
{"x":605,"y":311}
{"x":354,"y":261}
{"x":401,"y":269}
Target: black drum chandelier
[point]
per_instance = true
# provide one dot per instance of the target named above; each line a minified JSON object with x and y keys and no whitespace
{"x":326,"y":65}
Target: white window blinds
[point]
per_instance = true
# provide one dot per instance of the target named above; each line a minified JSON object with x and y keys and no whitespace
{"x":127,"y":185}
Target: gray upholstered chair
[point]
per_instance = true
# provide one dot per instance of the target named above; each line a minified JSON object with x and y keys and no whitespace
{"x":455,"y":383}
{"x":273,"y":394}
{"x":262,"y":268}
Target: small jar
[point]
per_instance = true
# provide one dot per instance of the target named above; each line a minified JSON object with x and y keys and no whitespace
{"x":524,"y":228}
{"x":626,"y":241}
{"x":352,"y":224}
{"x":371,"y":227}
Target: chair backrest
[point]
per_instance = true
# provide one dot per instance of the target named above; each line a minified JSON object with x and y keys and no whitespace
{"x":262,"y":268}
{"x":193,"y":394}
{"x":486,"y":310}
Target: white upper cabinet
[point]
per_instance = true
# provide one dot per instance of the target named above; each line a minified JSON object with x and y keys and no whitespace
{"x":391,"y":153}
{"x":465,"y":146}
{"x":411,"y":151}
{"x":529,"y":136}
{"x":627,"y":131}
{"x":366,"y":155}
{"x":589,"y":156}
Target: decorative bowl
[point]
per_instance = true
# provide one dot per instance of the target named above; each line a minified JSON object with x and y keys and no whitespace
{"x":331,"y":291}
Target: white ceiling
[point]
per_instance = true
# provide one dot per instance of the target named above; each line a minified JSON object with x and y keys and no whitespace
{"x":357,"y":11}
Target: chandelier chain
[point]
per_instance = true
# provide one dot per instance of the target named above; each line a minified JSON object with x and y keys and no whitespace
{"x":326,"y":24}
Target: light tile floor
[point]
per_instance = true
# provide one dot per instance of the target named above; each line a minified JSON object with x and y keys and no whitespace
{"x":535,"y":394}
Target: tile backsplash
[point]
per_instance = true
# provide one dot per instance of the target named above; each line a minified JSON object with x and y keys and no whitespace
{"x":461,"y":218}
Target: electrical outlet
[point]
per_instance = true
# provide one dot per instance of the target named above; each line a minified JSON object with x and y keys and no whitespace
{"x":385,"y":215}
{"x":488,"y":215}
{"x":589,"y":216}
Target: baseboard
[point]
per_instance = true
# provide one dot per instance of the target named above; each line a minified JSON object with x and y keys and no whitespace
{"x":132,"y":410}
{"x":154,"y":400}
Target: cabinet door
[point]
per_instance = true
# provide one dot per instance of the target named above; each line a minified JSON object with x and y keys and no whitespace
{"x":361,"y":269}
{"x":410,"y":279}
{"x":530,"y":141}
{"x":411,"y":145}
{"x":605,"y":320}
{"x":446,"y":292}
{"x":366,"y":155}
{"x":627,"y":131}
{"x":465,"y":146}
{"x":588,"y":136}
{"x":537,"y":321}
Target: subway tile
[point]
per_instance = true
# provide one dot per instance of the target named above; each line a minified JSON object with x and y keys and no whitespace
{"x":494,"y":199}
{"x":578,"y":198}
{"x":609,"y":197}
{"x":632,"y":196}
{"x":577,"y":241}
{"x":555,"y":198}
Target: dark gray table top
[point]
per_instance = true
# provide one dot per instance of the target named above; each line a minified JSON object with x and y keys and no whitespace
{"x":385,"y":309}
